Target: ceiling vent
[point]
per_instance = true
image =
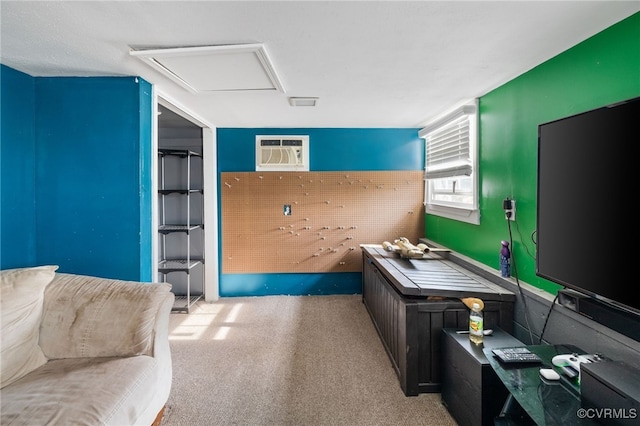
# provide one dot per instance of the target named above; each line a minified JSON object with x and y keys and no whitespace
{"x":282,"y":153}
{"x":220,"y":68}
{"x":299,"y":101}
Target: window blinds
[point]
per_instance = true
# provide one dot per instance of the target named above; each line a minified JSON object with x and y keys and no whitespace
{"x":448,"y":147}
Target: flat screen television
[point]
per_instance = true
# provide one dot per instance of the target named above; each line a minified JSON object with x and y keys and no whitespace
{"x":587,"y":183}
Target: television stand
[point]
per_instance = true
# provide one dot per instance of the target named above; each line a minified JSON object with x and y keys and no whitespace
{"x":610,"y":316}
{"x":533,"y":401}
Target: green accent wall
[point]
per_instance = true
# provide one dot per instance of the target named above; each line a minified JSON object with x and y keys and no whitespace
{"x":599,"y":71}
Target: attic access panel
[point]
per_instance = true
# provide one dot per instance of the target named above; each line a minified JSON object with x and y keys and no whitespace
{"x":221,"y":68}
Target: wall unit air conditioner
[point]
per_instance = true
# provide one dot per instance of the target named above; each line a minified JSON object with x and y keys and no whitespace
{"x":282,"y":153}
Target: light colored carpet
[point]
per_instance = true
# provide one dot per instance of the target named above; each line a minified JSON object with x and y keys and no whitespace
{"x":287,"y":360}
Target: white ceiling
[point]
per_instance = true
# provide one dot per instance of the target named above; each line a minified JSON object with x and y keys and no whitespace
{"x":370,"y":63}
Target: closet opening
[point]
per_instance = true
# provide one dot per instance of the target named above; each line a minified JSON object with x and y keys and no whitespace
{"x":181,"y":211}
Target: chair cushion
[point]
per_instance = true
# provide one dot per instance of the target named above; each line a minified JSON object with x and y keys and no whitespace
{"x":21,"y":300}
{"x":82,"y":391}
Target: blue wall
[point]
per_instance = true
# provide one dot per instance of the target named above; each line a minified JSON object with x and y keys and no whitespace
{"x":330,"y":149}
{"x":91,"y":168}
{"x":17,"y":182}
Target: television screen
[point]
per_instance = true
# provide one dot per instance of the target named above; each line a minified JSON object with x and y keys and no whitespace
{"x":585,"y":220}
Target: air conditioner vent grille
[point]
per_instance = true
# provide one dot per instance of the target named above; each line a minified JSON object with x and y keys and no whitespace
{"x":270,"y":142}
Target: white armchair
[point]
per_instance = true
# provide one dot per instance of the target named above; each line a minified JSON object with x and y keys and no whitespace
{"x":102,"y":355}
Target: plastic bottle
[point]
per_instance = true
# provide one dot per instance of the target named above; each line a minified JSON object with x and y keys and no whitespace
{"x":476,"y":324}
{"x":505,"y":260}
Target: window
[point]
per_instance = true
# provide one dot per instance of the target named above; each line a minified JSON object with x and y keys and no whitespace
{"x":451,"y":175}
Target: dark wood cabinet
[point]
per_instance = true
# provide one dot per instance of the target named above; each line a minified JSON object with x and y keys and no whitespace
{"x":411,"y":301}
{"x":471,"y":390}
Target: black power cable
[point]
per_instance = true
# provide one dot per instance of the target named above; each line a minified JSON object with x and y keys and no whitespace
{"x":526,"y":312}
{"x":515,"y":275}
{"x":544,"y":327}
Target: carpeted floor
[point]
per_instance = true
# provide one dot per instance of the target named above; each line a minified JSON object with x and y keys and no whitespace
{"x":287,"y":360}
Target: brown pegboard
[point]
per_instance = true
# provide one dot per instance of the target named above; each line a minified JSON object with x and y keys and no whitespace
{"x":331,"y":214}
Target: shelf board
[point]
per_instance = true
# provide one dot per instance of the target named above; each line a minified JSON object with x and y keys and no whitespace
{"x":179,"y":152}
{"x":166,"y":229}
{"x":180,"y":191}
{"x":176,"y":265}
{"x":184,"y":303}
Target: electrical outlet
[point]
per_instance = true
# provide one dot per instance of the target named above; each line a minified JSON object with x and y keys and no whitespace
{"x":509,"y":206}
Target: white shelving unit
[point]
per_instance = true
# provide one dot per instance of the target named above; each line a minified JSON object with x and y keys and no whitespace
{"x":178,"y":251}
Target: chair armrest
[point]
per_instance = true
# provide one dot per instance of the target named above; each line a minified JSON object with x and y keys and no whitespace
{"x":161,"y":348}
